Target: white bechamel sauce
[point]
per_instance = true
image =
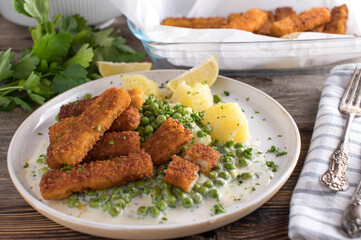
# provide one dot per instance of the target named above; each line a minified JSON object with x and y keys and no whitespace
{"x":231,"y":193}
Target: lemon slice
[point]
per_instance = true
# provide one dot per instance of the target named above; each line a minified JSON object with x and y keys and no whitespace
{"x":112,"y":68}
{"x":205,"y":72}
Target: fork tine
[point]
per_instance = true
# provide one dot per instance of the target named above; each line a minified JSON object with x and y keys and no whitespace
{"x":348,"y":88}
{"x":355,"y":86}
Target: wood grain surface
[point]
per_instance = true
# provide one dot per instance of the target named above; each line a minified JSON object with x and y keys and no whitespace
{"x":299,"y":94}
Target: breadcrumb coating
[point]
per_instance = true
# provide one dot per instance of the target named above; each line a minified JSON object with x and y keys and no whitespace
{"x":168,"y":140}
{"x":127,"y":121}
{"x":338,"y":21}
{"x":97,"y":175}
{"x":211,"y":22}
{"x":202,"y":155}
{"x":266,"y":28}
{"x":181,"y":173}
{"x":251,"y":21}
{"x":72,"y":147}
{"x":137,"y":97}
{"x":284,"y":12}
{"x":114,"y":144}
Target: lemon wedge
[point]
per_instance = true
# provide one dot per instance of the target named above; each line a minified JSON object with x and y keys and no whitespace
{"x":140,"y":81}
{"x":205,"y":72}
{"x":112,"y":68}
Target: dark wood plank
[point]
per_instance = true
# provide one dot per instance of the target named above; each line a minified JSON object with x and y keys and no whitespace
{"x":299,"y":94}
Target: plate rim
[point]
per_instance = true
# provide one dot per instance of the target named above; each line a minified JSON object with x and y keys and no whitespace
{"x":45,"y":209}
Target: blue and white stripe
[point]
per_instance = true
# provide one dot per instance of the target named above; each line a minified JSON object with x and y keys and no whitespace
{"x":316,"y":211}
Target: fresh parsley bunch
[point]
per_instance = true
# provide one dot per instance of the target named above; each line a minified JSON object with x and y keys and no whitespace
{"x":63,"y":56}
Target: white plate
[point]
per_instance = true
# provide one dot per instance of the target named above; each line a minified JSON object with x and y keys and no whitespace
{"x":268,"y":119}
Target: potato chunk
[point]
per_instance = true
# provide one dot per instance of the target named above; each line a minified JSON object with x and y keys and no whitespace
{"x":139,"y":81}
{"x":228,"y":122}
{"x":198,"y":97}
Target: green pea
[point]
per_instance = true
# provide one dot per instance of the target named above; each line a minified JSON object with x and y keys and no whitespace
{"x":73,"y":196}
{"x":177,"y":190}
{"x":156,"y":190}
{"x":94,"y":203}
{"x":187,"y":202}
{"x":225,"y":175}
{"x":197,"y":198}
{"x":207,"y":128}
{"x":148,"y":113}
{"x":243,"y":162}
{"x":202,"y":190}
{"x":212,"y":174}
{"x":201,"y":134}
{"x":224,"y":149}
{"x":127,"y":198}
{"x":148,"y":129}
{"x":162,"y":205}
{"x":180,"y":195}
{"x":103,"y":197}
{"x":43,"y":170}
{"x":196,"y":186}
{"x":161,"y":119}
{"x":218,"y":208}
{"x":114,"y":211}
{"x":219,"y":181}
{"x":156,"y":198}
{"x":246,"y":175}
{"x":231,"y":153}
{"x":208,"y":184}
{"x":213,"y":193}
{"x":218,"y":167}
{"x":229,"y":166}
{"x":113,"y":197}
{"x":171,"y":201}
{"x":134,"y":192}
{"x":149,"y":181}
{"x":238,"y":145}
{"x":146,"y":189}
{"x":155,"y":125}
{"x":120,"y":202}
{"x":154,"y":106}
{"x":73,"y":203}
{"x":154,"y":211}
{"x":227,"y":158}
{"x":139,"y":183}
{"x":144,"y":121}
{"x":106,"y":206}
{"x":142,"y":211}
{"x":177,"y":115}
{"x":117,"y":191}
{"x":229,"y":143}
{"x":90,"y":193}
{"x":151,"y":119}
{"x":217,"y":98}
{"x":166,"y":192}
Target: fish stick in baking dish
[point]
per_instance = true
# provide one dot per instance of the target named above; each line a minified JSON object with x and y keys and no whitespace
{"x":338,"y":21}
{"x":211,"y":22}
{"x":166,"y":141}
{"x":284,"y":12}
{"x":305,"y":21}
{"x":72,"y":147}
{"x":266,"y":28}
{"x":251,"y":21}
{"x":181,"y":173}
{"x":202,"y":155}
{"x":97,"y":175}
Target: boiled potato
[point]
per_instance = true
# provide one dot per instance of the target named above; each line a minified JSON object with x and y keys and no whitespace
{"x":228,"y":122}
{"x":139,"y":81}
{"x":198,"y":97}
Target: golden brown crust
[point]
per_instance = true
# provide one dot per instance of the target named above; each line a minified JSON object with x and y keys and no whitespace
{"x":114,"y":144}
{"x":338,"y":21}
{"x":76,"y":108}
{"x":233,"y":16}
{"x":284,"y":12}
{"x":250,"y":21}
{"x":137,"y":96}
{"x":168,"y":140}
{"x":127,"y":121}
{"x":266,"y":28}
{"x":305,"y":21}
{"x":201,"y":153}
{"x":97,"y":175}
{"x":72,"y":147}
{"x":211,"y":22}
{"x":181,"y":173}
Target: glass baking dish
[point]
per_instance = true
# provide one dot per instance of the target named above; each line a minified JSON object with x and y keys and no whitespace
{"x":295,"y":55}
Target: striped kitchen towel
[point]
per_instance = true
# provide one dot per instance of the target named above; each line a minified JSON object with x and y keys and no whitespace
{"x":315,"y":209}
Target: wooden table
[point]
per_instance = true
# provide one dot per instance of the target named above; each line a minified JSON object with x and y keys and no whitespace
{"x":299,"y":94}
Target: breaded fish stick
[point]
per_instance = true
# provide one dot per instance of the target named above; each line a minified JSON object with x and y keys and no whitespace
{"x":202,"y":155}
{"x":181,"y":173}
{"x":127,"y":121}
{"x":114,"y":144}
{"x":338,"y":21}
{"x":233,"y":16}
{"x":266,"y":28}
{"x":97,"y":175}
{"x":74,"y":109}
{"x":305,"y":21}
{"x":250,"y":21}
{"x":74,"y":145}
{"x":284,"y":12}
{"x":211,"y":22}
{"x":168,"y":140}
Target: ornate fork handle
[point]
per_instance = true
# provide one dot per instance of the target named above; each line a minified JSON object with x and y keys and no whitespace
{"x":335,"y":177}
{"x":351,"y":218}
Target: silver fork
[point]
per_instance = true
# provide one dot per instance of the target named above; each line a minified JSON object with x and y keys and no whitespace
{"x":335,"y":177}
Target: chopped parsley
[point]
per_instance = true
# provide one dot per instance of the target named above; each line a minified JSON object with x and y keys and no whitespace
{"x":86,"y":96}
{"x":26,"y":165}
{"x":226,"y":93}
{"x":67,"y":167}
{"x":76,"y":103}
{"x":218,"y":208}
{"x":275,"y":150}
{"x":111,"y":142}
{"x":119,"y":159}
{"x":247,"y":99}
{"x":99,"y":128}
{"x":39,"y":133}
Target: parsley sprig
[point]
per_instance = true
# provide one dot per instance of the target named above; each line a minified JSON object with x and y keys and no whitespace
{"x":63,"y":56}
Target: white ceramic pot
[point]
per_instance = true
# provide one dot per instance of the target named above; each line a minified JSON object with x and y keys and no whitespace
{"x":94,"y":11}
